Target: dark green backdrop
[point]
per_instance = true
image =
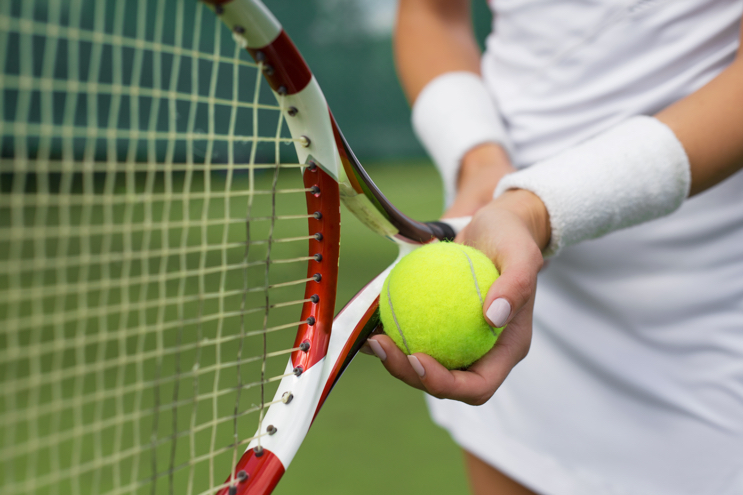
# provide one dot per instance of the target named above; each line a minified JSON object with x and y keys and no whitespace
{"x":348,"y":45}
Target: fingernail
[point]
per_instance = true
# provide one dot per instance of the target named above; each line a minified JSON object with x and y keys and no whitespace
{"x":498,"y":312}
{"x":376,"y":347}
{"x":417,"y":366}
{"x":365,"y":349}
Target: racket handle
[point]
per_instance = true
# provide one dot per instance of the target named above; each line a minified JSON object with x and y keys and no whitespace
{"x":447,"y":229}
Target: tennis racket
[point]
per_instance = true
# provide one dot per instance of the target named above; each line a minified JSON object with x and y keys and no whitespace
{"x":170,"y":189}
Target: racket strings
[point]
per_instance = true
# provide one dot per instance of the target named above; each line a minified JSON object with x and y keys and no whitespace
{"x":115,"y":166}
{"x":153,"y":248}
{"x":269,"y":245}
{"x":103,"y":258}
{"x":139,"y":415}
{"x":24,"y":293}
{"x":156,"y":198}
{"x":61,"y":405}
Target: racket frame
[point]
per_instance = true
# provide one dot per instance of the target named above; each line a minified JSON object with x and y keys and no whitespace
{"x":333,"y":174}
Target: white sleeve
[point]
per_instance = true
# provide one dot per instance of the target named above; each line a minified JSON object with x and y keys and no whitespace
{"x":454,"y":113}
{"x":635,"y":172}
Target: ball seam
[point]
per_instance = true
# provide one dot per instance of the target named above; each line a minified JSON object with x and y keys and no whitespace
{"x":394,"y":317}
{"x":477,"y":285}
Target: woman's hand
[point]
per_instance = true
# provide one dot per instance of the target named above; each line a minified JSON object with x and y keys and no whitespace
{"x":482,"y":167}
{"x":512,"y":230}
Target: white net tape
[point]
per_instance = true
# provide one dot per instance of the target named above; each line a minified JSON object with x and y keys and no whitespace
{"x":151,"y":242}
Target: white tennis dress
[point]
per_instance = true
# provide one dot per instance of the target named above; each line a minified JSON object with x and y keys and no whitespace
{"x":634,"y":381}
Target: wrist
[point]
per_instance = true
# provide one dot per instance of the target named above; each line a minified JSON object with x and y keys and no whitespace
{"x":488,"y":161}
{"x":532,"y":212}
{"x":482,"y":167}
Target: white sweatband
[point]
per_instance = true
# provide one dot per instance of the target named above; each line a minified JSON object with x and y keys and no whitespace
{"x":635,"y":172}
{"x":454,"y":113}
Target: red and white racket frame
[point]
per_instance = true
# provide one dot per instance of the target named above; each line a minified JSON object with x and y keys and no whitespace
{"x":332,"y":174}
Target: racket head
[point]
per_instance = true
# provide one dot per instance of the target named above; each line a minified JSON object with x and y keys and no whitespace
{"x":145,"y":266}
{"x":143,"y":247}
{"x":322,"y":147}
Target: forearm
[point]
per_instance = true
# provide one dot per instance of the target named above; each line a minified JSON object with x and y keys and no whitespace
{"x":433,"y":37}
{"x":709,"y":125}
{"x":454,"y":117}
{"x":481,"y":169}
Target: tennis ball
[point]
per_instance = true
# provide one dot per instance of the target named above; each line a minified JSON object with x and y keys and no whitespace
{"x":431,"y":302}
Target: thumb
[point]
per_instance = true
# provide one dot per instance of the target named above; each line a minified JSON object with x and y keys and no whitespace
{"x":518,"y":265}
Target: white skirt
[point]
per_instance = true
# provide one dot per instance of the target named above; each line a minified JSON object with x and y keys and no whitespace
{"x":634,"y":381}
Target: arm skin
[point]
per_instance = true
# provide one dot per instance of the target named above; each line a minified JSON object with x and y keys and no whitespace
{"x":709,"y":124}
{"x":433,"y":37}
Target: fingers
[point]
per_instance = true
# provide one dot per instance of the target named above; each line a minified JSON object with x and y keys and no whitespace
{"x":366,"y":349}
{"x":396,"y":362}
{"x":504,"y":231}
{"x":418,"y":370}
{"x":473,"y":386}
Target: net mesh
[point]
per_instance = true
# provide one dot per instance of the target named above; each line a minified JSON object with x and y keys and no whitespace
{"x":153,"y":247}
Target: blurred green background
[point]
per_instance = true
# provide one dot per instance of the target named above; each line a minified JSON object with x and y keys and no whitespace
{"x":374,"y":434}
{"x":348,"y":46}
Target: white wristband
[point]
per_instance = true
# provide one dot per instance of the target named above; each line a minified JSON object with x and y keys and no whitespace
{"x":453,"y":114}
{"x":635,"y":172}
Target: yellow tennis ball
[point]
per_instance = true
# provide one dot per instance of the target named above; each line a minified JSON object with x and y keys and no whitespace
{"x":432,"y":302}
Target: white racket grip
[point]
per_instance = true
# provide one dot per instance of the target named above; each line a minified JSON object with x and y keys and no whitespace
{"x":458,"y":223}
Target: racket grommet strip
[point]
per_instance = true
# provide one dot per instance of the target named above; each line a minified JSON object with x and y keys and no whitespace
{"x":258,"y":451}
{"x":292,"y":111}
{"x":304,"y":140}
{"x":238,"y":29}
{"x":318,"y":257}
{"x":271,"y":429}
{"x":317,"y":215}
{"x":311,"y":320}
{"x":318,"y":236}
{"x":269,"y":72}
{"x":317,"y":277}
{"x":218,"y":9}
{"x":312,"y":165}
{"x":282,"y":90}
{"x":260,"y":56}
{"x":314,"y":297}
{"x":242,"y":476}
{"x":298,"y":371}
{"x":232,"y":490}
{"x":304,"y":346}
{"x":315,"y":190}
{"x":287,"y":397}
